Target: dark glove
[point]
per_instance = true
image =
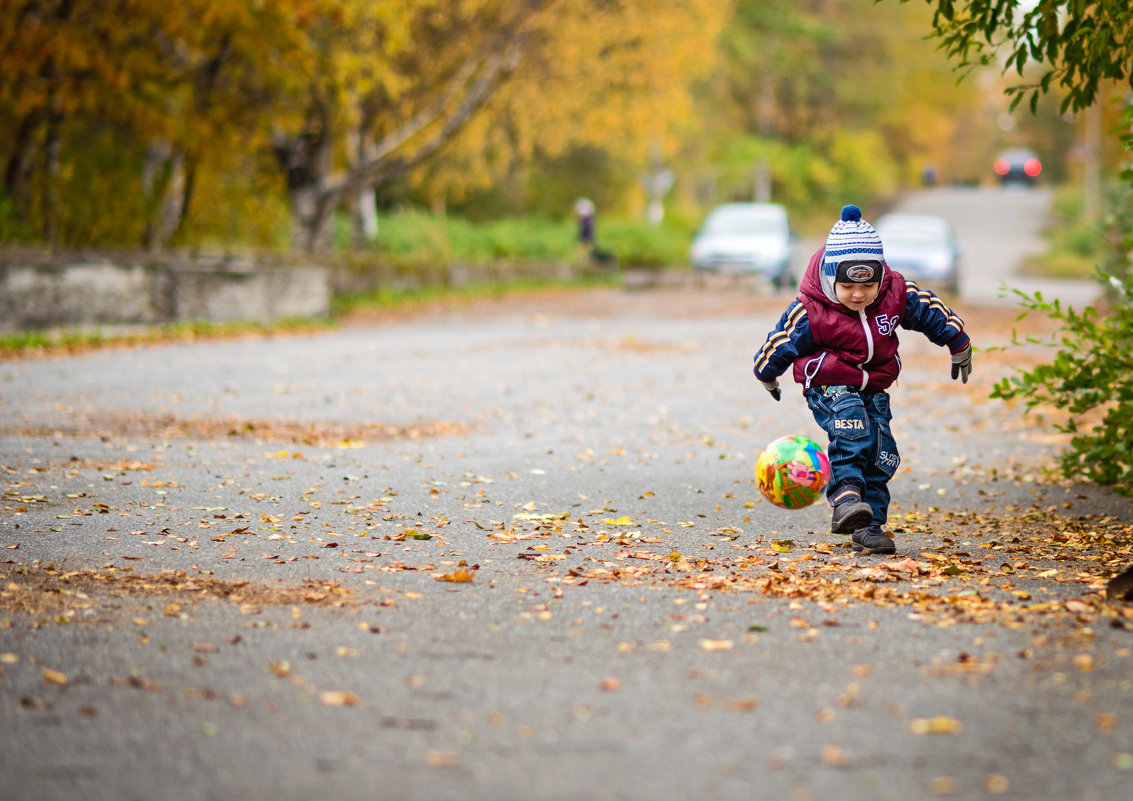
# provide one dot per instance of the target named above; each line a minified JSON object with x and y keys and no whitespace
{"x":962,"y":363}
{"x":772,"y":386}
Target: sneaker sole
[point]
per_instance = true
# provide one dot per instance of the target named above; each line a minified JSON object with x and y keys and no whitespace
{"x":854,"y":520}
{"x":871,"y":551}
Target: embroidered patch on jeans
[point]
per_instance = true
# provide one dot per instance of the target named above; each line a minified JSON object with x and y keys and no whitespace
{"x":848,"y":418}
{"x":888,"y":460}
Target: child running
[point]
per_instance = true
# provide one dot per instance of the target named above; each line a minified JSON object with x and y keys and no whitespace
{"x":840,"y":337}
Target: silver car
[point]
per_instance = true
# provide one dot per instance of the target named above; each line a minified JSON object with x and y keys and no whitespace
{"x":922,"y":248}
{"x":746,"y":237}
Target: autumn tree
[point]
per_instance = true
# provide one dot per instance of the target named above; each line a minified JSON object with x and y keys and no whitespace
{"x":607,"y":84}
{"x":143,"y":89}
{"x":388,"y":87}
{"x":821,"y":95}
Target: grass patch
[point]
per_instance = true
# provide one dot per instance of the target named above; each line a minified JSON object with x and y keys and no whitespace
{"x":422,"y":298}
{"x":69,"y":341}
{"x":1075,"y":246}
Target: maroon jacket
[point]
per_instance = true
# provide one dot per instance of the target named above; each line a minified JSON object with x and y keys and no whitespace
{"x":828,"y":344}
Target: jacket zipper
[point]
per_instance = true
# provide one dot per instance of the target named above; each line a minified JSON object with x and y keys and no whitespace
{"x":869,"y":348}
{"x":810,"y":374}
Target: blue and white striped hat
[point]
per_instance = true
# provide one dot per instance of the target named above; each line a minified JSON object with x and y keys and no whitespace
{"x":852,"y":238}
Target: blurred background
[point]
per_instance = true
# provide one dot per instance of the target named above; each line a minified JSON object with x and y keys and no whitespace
{"x":433,"y":131}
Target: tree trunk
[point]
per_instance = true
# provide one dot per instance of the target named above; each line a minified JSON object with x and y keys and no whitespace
{"x":170,"y":196}
{"x":365,"y":219}
{"x":51,"y":161}
{"x":312,"y":217}
{"x":17,"y":169}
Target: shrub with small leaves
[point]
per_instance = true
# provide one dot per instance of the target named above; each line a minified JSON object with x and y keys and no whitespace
{"x":1091,"y":378}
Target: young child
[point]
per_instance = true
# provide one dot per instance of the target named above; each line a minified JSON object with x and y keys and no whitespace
{"x":840,"y":337}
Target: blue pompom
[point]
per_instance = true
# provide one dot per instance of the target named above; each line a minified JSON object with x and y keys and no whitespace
{"x":851,"y":214}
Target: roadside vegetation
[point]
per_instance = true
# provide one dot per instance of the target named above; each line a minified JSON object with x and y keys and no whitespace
{"x":1076,"y":244}
{"x":1090,"y":375}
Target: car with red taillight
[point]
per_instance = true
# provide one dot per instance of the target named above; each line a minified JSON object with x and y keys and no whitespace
{"x":1018,"y":166}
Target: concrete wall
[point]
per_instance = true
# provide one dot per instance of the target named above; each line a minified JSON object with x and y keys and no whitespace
{"x":55,"y":291}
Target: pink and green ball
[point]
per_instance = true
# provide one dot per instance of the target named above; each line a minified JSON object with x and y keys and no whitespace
{"x":792,"y":472}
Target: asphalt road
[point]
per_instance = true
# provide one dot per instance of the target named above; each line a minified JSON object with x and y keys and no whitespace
{"x":217,"y":582}
{"x":997,"y":228}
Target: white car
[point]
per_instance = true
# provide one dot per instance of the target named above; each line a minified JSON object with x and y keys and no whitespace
{"x":746,"y":237}
{"x":922,"y":248}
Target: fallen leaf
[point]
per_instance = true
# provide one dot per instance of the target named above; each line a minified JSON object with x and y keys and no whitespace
{"x":611,"y":684}
{"x":55,"y":677}
{"x":835,"y":755}
{"x":997,"y":784}
{"x":624,"y":520}
{"x":941,"y":724}
{"x":905,"y":565}
{"x":742,"y":704}
{"x":1107,"y":722}
{"x":442,"y":759}
{"x":716,"y":645}
{"x":942,"y":785}
{"x":338,"y":698}
{"x":460,"y":575}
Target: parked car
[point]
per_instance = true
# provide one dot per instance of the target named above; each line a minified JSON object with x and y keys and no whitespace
{"x":922,"y":248}
{"x":1018,"y":166}
{"x":746,"y":237}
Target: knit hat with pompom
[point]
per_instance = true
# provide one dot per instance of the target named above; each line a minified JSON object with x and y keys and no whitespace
{"x":852,"y":239}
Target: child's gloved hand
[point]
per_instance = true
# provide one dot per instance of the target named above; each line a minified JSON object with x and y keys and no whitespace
{"x":773,"y":388}
{"x":962,"y":363}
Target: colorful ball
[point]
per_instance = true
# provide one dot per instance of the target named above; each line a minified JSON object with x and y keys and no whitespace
{"x":792,"y":472}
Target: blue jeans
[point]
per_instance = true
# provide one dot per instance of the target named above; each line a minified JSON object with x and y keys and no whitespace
{"x":862,"y":450}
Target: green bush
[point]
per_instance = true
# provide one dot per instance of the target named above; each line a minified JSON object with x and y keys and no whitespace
{"x":419,"y":239}
{"x":1091,"y":378}
{"x":1075,"y":246}
{"x":639,"y":244}
{"x":527,"y":238}
{"x":414,"y":236}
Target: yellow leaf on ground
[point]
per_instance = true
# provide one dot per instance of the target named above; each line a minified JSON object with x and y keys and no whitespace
{"x":338,"y":698}
{"x":941,"y":724}
{"x":55,"y":677}
{"x":460,"y":575}
{"x":716,"y":645}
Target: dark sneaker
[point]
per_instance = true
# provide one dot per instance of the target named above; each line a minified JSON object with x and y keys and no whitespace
{"x":850,"y":516}
{"x":872,"y":539}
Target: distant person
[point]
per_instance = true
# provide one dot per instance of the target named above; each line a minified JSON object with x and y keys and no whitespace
{"x":840,"y":338}
{"x":585,"y":211}
{"x":929,"y":175}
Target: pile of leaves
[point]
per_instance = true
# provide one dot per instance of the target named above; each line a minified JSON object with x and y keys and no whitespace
{"x":36,"y":591}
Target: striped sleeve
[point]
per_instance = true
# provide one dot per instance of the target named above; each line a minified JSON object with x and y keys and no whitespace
{"x":928,"y":314}
{"x":790,"y":339}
